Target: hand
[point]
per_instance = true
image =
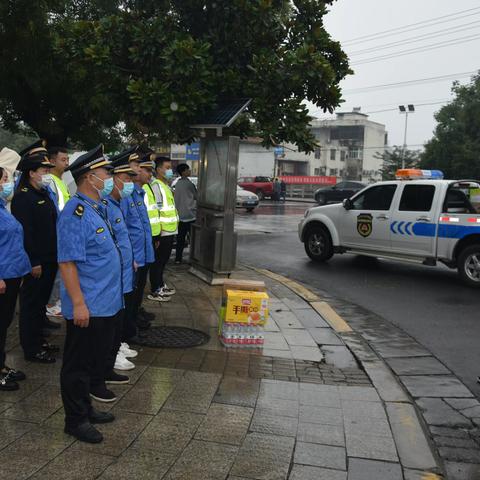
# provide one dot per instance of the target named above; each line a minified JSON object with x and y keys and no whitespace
{"x":81,"y":316}
{"x":37,"y":271}
{"x":135,"y":265}
{"x":3,"y":287}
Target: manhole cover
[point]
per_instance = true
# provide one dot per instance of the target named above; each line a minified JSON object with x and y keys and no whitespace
{"x":170,"y":337}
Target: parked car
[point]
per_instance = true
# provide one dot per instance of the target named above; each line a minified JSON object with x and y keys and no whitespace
{"x":337,"y":193}
{"x":246,"y":199}
{"x":260,"y":186}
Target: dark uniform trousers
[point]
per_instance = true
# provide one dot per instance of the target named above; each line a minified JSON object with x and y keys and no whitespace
{"x":85,"y":353}
{"x":112,"y":354}
{"x":162,"y":255}
{"x":34,"y":295}
{"x":133,"y":301}
{"x":8,"y":301}
{"x":183,"y":230}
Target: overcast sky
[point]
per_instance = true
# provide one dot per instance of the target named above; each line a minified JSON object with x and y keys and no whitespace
{"x":351,"y":19}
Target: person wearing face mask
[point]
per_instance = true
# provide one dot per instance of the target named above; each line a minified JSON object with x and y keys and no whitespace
{"x":14,"y":264}
{"x":35,"y":210}
{"x":90,"y":263}
{"x":169,"y":228}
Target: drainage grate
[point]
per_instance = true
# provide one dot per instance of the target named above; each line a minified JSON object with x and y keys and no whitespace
{"x":170,"y":337}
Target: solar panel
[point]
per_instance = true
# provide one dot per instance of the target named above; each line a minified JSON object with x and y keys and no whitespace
{"x":224,"y":113}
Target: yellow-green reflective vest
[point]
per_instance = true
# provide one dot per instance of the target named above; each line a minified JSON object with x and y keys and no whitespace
{"x":152,"y":210}
{"x":168,"y":212}
{"x":61,"y":191}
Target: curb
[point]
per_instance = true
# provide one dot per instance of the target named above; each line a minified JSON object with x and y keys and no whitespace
{"x":414,"y":444}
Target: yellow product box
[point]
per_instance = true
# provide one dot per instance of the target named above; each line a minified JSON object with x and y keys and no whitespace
{"x":245,"y":306}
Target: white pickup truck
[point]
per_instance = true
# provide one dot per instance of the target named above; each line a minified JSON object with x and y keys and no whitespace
{"x":424,"y":221}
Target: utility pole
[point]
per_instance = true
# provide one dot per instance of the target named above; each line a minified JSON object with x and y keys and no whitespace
{"x":405,"y":110}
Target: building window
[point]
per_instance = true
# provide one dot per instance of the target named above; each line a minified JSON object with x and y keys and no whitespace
{"x":333,"y":172}
{"x":343,"y":155}
{"x":333,"y":154}
{"x":355,"y":153}
{"x":318,"y":153}
{"x":316,"y":171}
{"x":322,"y":170}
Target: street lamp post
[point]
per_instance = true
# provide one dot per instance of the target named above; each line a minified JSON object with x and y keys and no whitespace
{"x":405,"y":110}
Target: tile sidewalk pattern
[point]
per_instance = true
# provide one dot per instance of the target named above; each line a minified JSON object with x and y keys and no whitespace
{"x":208,"y":413}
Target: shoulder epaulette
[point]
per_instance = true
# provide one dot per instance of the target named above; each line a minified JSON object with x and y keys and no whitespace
{"x":79,"y":210}
{"x":24,"y":189}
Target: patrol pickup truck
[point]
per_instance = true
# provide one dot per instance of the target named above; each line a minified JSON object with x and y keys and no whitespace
{"x":424,"y":221}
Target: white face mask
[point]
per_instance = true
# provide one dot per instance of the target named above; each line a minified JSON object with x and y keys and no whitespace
{"x":46,"y":180}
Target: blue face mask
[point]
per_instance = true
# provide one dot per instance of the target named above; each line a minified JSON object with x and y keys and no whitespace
{"x":7,"y":190}
{"x":127,"y":189}
{"x":107,"y":186}
{"x":169,"y":174}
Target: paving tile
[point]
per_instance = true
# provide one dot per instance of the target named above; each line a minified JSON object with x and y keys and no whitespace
{"x":286,"y":319}
{"x":311,"y":319}
{"x":325,"y":336}
{"x":339,"y":356}
{"x":264,"y":457}
{"x":147,"y":399}
{"x":417,"y":366}
{"x":301,"y":338}
{"x":11,"y":430}
{"x":322,"y":415}
{"x":296,"y":303}
{"x":274,"y":424}
{"x":366,"y":426}
{"x":366,"y":394}
{"x":320,"y":455}
{"x":225,"y":424}
{"x":435,"y":386}
{"x":462,"y":471}
{"x":323,"y":395}
{"x":275,"y":341}
{"x":175,"y":418}
{"x":463,"y":403}
{"x":399,"y":347}
{"x":361,"y":469}
{"x":278,"y":406}
{"x":74,"y":465}
{"x":306,"y":472}
{"x":137,"y":468}
{"x":322,"y":434}
{"x":364,"y":410}
{"x":15,"y":466}
{"x":170,"y":439}
{"x":277,"y":353}
{"x":375,"y":448}
{"x":312,"y":354}
{"x":205,"y":460}
{"x":437,"y":412}
{"x":279,"y":389}
{"x":238,"y":391}
{"x":467,"y":455}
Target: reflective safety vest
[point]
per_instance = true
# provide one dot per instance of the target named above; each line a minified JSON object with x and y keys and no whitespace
{"x":153,"y":204}
{"x":168,"y":212}
{"x":61,"y":190}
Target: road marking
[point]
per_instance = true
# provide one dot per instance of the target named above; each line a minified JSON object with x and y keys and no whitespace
{"x":332,"y":317}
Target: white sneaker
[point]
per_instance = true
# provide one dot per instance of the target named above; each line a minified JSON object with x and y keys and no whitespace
{"x":127,"y":351}
{"x":158,"y":297}
{"x":166,"y":290}
{"x":54,"y":311}
{"x":121,"y":363}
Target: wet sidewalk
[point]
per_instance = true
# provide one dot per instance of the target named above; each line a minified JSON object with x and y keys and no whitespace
{"x":301,"y":408}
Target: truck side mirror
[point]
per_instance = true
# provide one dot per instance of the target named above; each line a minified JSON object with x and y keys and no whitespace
{"x":347,"y":204}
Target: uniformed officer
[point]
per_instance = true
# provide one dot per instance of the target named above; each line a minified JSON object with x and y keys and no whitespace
{"x":92,"y":296}
{"x":138,"y":224}
{"x":35,"y":210}
{"x":14,"y":264}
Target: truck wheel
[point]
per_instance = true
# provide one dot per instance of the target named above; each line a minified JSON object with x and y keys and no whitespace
{"x":260,"y":194}
{"x":318,"y":244}
{"x":469,"y":265}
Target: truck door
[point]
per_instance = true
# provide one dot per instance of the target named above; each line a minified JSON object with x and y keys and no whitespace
{"x":367,"y":224}
{"x":413,"y":226}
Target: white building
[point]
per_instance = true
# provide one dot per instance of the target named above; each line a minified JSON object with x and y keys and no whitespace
{"x":349,"y":147}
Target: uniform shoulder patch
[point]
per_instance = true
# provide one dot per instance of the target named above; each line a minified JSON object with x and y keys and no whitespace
{"x":79,"y":210}
{"x":24,"y":189}
{"x":139,"y":203}
{"x":104,"y":202}
{"x":118,"y":220}
{"x":132,"y":204}
{"x":100,"y":230}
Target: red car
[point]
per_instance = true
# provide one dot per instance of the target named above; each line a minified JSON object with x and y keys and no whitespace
{"x":261,"y":186}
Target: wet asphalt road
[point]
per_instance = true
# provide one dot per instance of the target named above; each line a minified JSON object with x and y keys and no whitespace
{"x":429,"y":303}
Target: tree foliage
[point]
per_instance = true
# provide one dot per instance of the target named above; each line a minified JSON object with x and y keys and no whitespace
{"x":392,"y":160}
{"x":94,"y":70}
{"x":455,"y":146}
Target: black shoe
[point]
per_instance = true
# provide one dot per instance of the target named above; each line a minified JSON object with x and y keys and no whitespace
{"x":85,"y":432}
{"x":115,"y":378}
{"x":15,"y":375}
{"x":95,"y":416}
{"x":40,"y":357}
{"x":49,"y":324}
{"x":102,"y":394}
{"x":149,"y":316}
{"x":7,"y":384}
{"x":50,"y":348}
